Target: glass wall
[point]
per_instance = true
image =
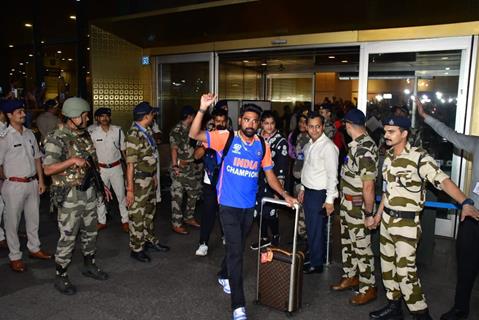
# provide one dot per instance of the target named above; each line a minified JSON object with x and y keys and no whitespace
{"x":436,"y":72}
{"x":180,"y":84}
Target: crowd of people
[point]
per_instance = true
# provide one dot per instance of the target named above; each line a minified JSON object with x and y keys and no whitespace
{"x":327,"y":160}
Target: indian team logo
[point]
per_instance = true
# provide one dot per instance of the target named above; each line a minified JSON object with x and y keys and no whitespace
{"x":236,"y":148}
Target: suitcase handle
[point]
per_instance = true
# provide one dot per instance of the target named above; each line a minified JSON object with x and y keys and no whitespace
{"x":285,"y":252}
{"x":278,"y":201}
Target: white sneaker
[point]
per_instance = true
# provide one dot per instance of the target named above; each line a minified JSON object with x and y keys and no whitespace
{"x":225,"y":284}
{"x":239,"y":314}
{"x":202,"y":250}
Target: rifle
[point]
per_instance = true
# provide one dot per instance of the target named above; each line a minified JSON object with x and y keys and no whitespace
{"x":92,"y":176}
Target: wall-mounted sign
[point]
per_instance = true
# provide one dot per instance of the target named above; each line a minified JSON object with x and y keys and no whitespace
{"x":145,"y":60}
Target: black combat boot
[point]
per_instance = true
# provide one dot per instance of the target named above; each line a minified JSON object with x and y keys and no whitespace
{"x":62,"y":283}
{"x":392,"y":311}
{"x":421,"y":315}
{"x":91,"y":269}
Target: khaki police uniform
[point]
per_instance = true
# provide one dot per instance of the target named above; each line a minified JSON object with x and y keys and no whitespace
{"x":18,"y":152}
{"x":108,"y":147}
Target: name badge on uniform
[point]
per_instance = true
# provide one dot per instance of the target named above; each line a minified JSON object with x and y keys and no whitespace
{"x":17,"y":145}
{"x":99,"y":139}
{"x":476,"y":188}
{"x":385,"y":186}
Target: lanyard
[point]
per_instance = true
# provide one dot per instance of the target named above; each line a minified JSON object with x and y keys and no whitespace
{"x":148,"y":137}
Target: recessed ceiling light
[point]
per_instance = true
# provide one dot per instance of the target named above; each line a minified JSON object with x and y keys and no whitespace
{"x":445,"y":58}
{"x":10,"y":45}
{"x":20,"y":63}
{"x":73,"y":17}
{"x":28,"y":25}
{"x":331,"y":57}
{"x":344,"y":61}
{"x":42,"y":42}
{"x":88,"y":48}
{"x":245,"y":61}
{"x":446,"y":73}
{"x":59,"y":51}
{"x":264,"y":64}
{"x":70,"y":59}
{"x":447,"y":68}
{"x":30,"y":55}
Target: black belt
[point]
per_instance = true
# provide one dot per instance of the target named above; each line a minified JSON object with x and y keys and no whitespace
{"x":144,"y":174}
{"x":401,"y":214}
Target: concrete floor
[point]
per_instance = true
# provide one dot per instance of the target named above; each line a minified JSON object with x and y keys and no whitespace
{"x":179,"y":285}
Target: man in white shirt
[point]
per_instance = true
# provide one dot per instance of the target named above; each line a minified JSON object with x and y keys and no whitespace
{"x":319,"y":188}
{"x":109,"y":142}
{"x":24,"y":182}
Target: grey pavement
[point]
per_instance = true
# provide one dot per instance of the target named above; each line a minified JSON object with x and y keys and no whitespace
{"x":179,"y":285}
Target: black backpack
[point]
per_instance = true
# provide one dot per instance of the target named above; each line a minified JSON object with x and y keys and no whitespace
{"x":212,"y":167}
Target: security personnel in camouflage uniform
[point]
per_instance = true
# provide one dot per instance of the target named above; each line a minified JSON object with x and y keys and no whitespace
{"x":405,"y":171}
{"x":66,"y":151}
{"x":358,"y":172}
{"x":141,"y":157}
{"x":185,"y":173}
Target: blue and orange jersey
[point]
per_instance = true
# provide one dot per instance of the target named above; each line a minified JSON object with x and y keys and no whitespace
{"x":238,"y":179}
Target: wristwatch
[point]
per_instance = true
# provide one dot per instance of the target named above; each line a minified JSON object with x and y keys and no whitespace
{"x":368,"y":214}
{"x":468,"y":201}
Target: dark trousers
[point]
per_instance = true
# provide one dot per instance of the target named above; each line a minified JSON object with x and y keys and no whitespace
{"x":236,"y":224}
{"x":316,"y":220}
{"x":467,"y":262}
{"x":208,"y":216}
{"x":270,"y":218}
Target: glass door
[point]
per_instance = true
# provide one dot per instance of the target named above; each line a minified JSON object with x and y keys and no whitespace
{"x":182,"y":79}
{"x":437,"y":72}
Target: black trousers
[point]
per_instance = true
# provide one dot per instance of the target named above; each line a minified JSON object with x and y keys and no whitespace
{"x":210,"y":210}
{"x":467,"y":248}
{"x":236,"y":224}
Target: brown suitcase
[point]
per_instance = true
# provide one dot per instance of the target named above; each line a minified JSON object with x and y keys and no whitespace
{"x":280,"y":277}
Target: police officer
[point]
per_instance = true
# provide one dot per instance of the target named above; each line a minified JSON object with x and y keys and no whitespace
{"x":185,"y":173}
{"x":141,"y":158}
{"x":3,"y":132}
{"x":109,"y":142}
{"x":20,"y":158}
{"x":405,"y":171}
{"x":66,"y":151}
{"x":358,"y":172}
